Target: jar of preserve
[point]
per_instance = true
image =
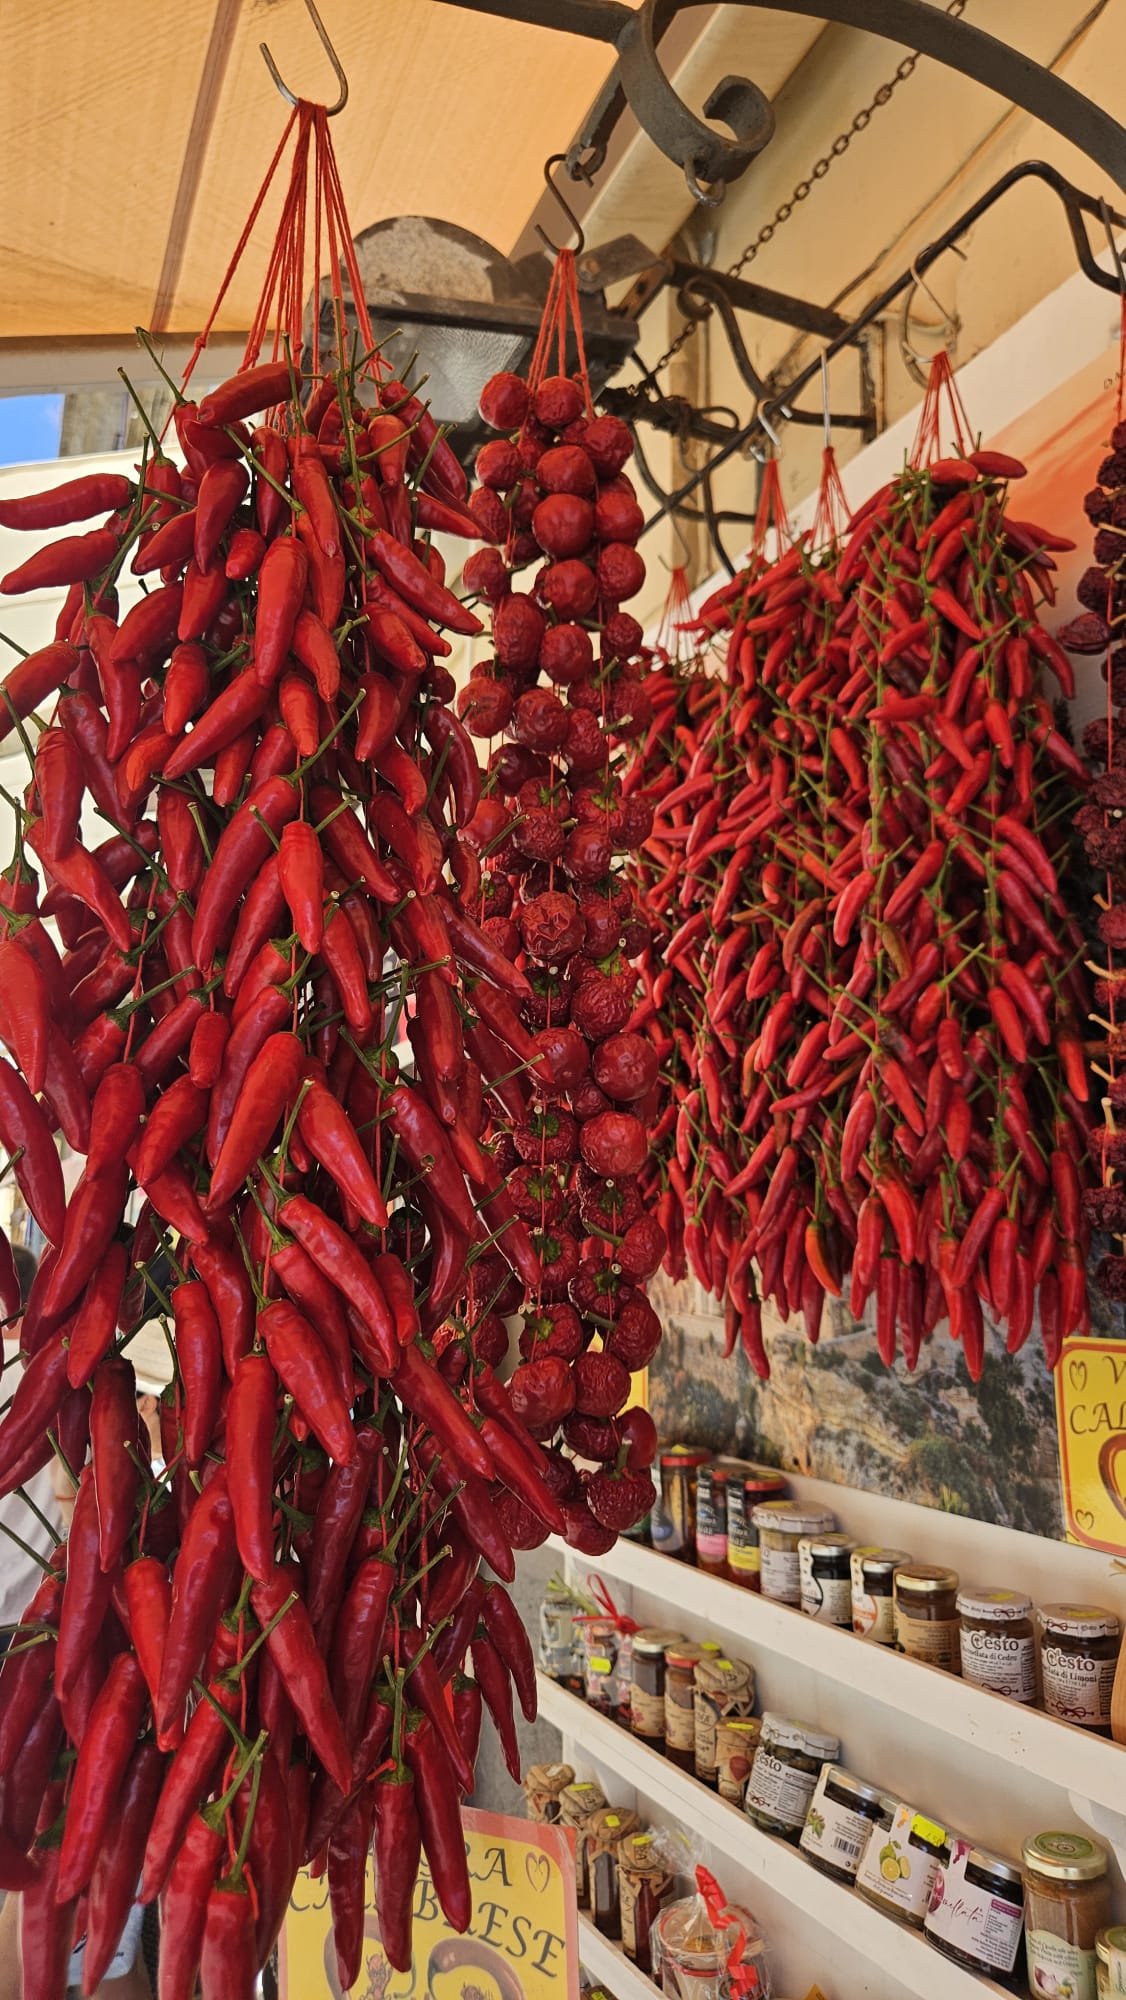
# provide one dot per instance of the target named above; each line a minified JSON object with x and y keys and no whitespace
{"x":926,"y":1615}
{"x":899,"y":1866}
{"x":1078,"y":1654}
{"x":736,"y":1741}
{"x":605,"y":1832}
{"x":784,"y":1773}
{"x":1110,"y":1962}
{"x":621,"y":1689}
{"x":711,"y":1515}
{"x":672,"y":1523}
{"x":872,"y":1571}
{"x":647,"y":1693}
{"x":680,"y":1703}
{"x":560,"y":1652}
{"x":998,"y":1642}
{"x":644,"y":1887}
{"x":578,"y":1804}
{"x":781,"y":1525}
{"x":826,"y":1578}
{"x":1067,"y":1903}
{"x":600,"y":1654}
{"x":725,"y":1689}
{"x":694,"y":1961}
{"x":839,"y":1822}
{"x":544,"y":1785}
{"x":976,"y":1912}
{"x":743,"y":1496}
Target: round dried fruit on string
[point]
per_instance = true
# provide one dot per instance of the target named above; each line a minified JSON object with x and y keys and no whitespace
{"x":585,"y":746}
{"x":558,"y":402}
{"x":636,"y":1334}
{"x":1105,"y":1207}
{"x":639,"y":1432}
{"x":563,"y":525}
{"x":1110,"y":1277}
{"x":583,"y":1532}
{"x":518,"y":629}
{"x":497,"y":465}
{"x":520,"y":1527}
{"x":614,"y":1144}
{"x":558,"y":1252}
{"x":621,"y":571}
{"x":566,"y":654}
{"x":587,"y":851}
{"x":536,"y":1193}
{"x":621,"y":636}
{"x":608,"y":442}
{"x":488,"y":511}
{"x":539,"y":720}
{"x":568,"y":1057}
{"x":502,"y":932}
{"x":600,"y":1007}
{"x":587,"y":1101}
{"x":539,"y":834}
{"x":619,"y":1500}
{"x":542,"y":1394}
{"x":552,"y":927}
{"x":612,"y":1206}
{"x":618,"y":518}
{"x":503,"y":401}
{"x":489,"y":827}
{"x":639,"y":1254}
{"x":567,"y":468}
{"x":570,"y":588}
{"x":597,"y":1438}
{"x":490,"y":1339}
{"x":550,"y":1136}
{"x":548,"y":1005}
{"x":484,"y":574}
{"x":626,"y":1066}
{"x":485,"y":706}
{"x":560,"y":1475}
{"x":1112,"y":927}
{"x":601,"y":1384}
{"x":554,"y":1329}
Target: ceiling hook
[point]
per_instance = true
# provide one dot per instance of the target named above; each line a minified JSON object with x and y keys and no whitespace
{"x":1116,"y":254}
{"x":556,"y":160}
{"x":331,"y":110}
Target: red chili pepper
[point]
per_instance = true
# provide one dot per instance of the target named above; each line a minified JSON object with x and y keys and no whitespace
{"x":397,"y":1851}
{"x":270,"y":1085}
{"x":440,"y":1819}
{"x":338,"y":1258}
{"x":85,"y":1592}
{"x":113,"y":1883}
{"x":103,"y":1758}
{"x":293,"y":1648}
{"x":183,"y":1911}
{"x":113,"y":1438}
{"x":505,"y":1628}
{"x":46,"y":1929}
{"x":27,"y":1139}
{"x":307,"y":1370}
{"x":179,"y":1113}
{"x":202,"y":1577}
{"x":350,"y":847}
{"x":243,"y":847}
{"x":72,"y":559}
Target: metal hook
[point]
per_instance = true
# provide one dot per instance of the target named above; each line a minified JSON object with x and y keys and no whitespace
{"x":556,"y":160}
{"x":331,"y":110}
{"x":1114,"y":250}
{"x":825,"y":411}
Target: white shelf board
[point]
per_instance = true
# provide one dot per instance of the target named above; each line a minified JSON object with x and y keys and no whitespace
{"x":607,"y":1962}
{"x":1081,"y":1764}
{"x":916,"y":1967}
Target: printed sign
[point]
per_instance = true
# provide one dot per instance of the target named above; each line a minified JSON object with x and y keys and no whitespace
{"x":1091,"y":1417}
{"x":521,"y":1945}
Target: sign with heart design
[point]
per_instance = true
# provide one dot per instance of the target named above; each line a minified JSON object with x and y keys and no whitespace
{"x":1091,"y":1423}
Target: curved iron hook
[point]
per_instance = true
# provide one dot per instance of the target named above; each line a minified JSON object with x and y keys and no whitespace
{"x":331,"y":110}
{"x":557,"y":160}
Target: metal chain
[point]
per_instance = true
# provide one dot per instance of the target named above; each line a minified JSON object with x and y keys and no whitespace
{"x":817,"y":172}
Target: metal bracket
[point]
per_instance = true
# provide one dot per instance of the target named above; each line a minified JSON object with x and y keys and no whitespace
{"x":710,"y":160}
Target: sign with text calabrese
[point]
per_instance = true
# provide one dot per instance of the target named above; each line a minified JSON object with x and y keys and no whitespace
{"x":1091,"y":1418}
{"x":521,"y":1945}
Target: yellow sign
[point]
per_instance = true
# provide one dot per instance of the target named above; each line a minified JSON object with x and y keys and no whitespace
{"x":521,"y":1945}
{"x":1091,"y":1419}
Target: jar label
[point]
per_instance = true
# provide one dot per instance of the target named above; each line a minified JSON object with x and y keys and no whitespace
{"x":779,"y":1791}
{"x":1057,"y":1967}
{"x":781,"y":1574}
{"x":734,"y":1757}
{"x":1077,"y":1688}
{"x":835,"y":1832}
{"x":874,"y":1617}
{"x":711,"y":1510}
{"x":680,"y":1714}
{"x":711,"y":1711}
{"x":640,"y":1897}
{"x":985,"y":1926}
{"x":932,"y":1639}
{"x":893,"y":1870}
{"x":647,"y":1714}
{"x":998,"y":1660}
{"x":827,"y":1598}
{"x":743,"y":1558}
{"x":711,"y":1548}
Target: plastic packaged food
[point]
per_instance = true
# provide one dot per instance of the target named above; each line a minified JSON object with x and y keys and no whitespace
{"x":839,"y":1822}
{"x":604,"y":1833}
{"x":725,"y":1689}
{"x":998,"y":1641}
{"x":1067,"y":1904}
{"x":644,"y":1887}
{"x":898,"y":1867}
{"x":560,"y":1653}
{"x":599,"y":1642}
{"x":926,"y":1615}
{"x":826,"y":1578}
{"x":784,"y":1773}
{"x":647,"y":1700}
{"x":872,"y":1571}
{"x":976,"y":1912}
{"x":578,"y":1804}
{"x":743,"y":1496}
{"x":692,"y":1955}
{"x":544,"y":1785}
{"x":1079,"y":1648}
{"x":781,"y":1525}
{"x":736,"y":1743}
{"x":672,"y":1522}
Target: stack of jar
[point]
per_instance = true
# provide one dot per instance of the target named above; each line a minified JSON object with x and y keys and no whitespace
{"x":705,"y":1511}
{"x":621,"y":1875}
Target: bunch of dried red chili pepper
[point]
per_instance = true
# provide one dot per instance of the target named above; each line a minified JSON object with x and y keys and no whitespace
{"x":264,"y":1034}
{"x":885,"y":1074}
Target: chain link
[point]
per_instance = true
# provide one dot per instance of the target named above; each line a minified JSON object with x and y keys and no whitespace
{"x":818,"y":171}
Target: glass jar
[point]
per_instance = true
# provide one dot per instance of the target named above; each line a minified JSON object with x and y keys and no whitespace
{"x":781,"y":1525}
{"x":672,"y":1523}
{"x":605,"y":1831}
{"x":1110,"y":1962}
{"x":743,"y":1496}
{"x":724,"y":1689}
{"x":544,"y":1785}
{"x":647,"y":1692}
{"x":976,"y":1912}
{"x":644,"y":1887}
{"x":735,"y":1744}
{"x":621,"y":1693}
{"x":559,"y":1648}
{"x":1067,"y":1904}
{"x":1079,"y":1647}
{"x":998,"y":1642}
{"x":900,"y":1863}
{"x":578,"y":1804}
{"x":926,"y":1615}
{"x":692,"y":1961}
{"x":826,"y":1578}
{"x":599,"y":1640}
{"x":784,"y":1773}
{"x":839,"y":1822}
{"x":872,"y":1571}
{"x":680,"y":1704}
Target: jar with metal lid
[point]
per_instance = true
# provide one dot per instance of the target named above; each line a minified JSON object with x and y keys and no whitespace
{"x":781,"y":1525}
{"x":784,"y":1773}
{"x":998,"y":1641}
{"x":578,"y":1804}
{"x":900,"y":1863}
{"x":872,"y":1571}
{"x":647,"y":1693}
{"x":1079,"y":1648}
{"x":743,"y":1496}
{"x":680,"y":1703}
{"x":560,"y":1650}
{"x":693,"y":1961}
{"x":672,"y":1523}
{"x":724,"y":1689}
{"x":1110,"y":1962}
{"x":976,"y":1912}
{"x":544,"y":1785}
{"x":826,"y":1578}
{"x":600,"y":1654}
{"x":736,"y":1741}
{"x":1067,"y":1903}
{"x":926,"y":1615}
{"x":605,"y":1833}
{"x":645,"y":1885}
{"x":839,"y":1822}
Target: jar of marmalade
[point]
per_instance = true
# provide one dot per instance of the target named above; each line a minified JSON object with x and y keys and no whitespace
{"x":578,"y":1804}
{"x":680,"y":1703}
{"x":673,"y":1519}
{"x":744,"y":1557}
{"x":647,"y":1702}
{"x":927,"y":1625}
{"x":1079,"y":1647}
{"x":605,"y":1833}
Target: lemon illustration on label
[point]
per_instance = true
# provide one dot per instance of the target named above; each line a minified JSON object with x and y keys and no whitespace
{"x":892,"y":1863}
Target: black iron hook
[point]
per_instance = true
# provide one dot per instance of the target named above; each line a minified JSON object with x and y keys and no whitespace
{"x":331,"y":110}
{"x":556,"y":160}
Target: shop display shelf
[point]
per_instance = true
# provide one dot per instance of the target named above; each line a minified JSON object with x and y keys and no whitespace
{"x":1086,"y":1766}
{"x":608,"y":1963}
{"x":914,"y":1964}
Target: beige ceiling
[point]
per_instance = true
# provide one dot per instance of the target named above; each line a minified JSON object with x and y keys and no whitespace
{"x":136,"y":134}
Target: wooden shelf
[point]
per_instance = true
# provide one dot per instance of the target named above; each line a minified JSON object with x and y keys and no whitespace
{"x":821,"y":1903}
{"x":607,"y":1962}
